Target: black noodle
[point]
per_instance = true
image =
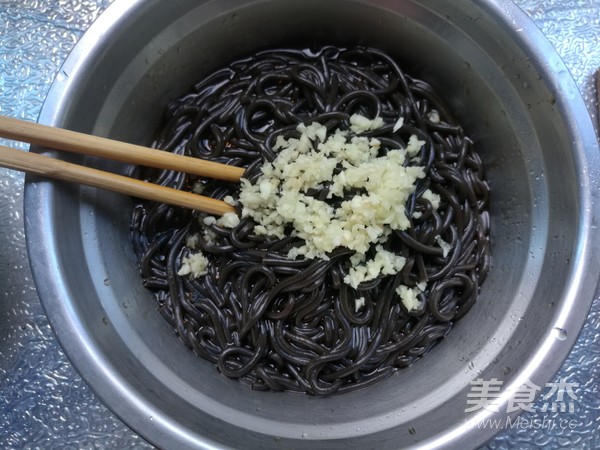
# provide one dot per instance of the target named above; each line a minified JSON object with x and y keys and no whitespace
{"x":281,"y":324}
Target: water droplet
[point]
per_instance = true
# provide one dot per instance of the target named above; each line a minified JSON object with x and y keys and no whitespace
{"x":559,"y":333}
{"x":106,"y":282}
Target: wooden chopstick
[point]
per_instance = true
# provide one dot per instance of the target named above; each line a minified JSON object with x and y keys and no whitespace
{"x":72,"y":141}
{"x":55,"y":168}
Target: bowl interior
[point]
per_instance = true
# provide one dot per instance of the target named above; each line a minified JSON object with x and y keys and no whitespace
{"x":119,"y":86}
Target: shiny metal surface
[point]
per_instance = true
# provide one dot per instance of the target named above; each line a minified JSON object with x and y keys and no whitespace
{"x":90,"y":217}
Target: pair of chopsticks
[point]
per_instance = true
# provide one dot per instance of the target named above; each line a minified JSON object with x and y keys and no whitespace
{"x":70,"y":141}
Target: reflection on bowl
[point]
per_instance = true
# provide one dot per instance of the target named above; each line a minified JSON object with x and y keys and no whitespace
{"x":511,"y":93}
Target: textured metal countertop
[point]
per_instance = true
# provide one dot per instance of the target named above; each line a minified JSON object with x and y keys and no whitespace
{"x":43,"y":401}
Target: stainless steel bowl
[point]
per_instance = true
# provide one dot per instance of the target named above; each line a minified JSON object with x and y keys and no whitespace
{"x":513,"y":95}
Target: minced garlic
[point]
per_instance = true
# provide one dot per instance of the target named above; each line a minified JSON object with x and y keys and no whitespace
{"x":359,"y":303}
{"x":229,"y":220}
{"x":445,"y":246}
{"x":360,"y":124}
{"x":192,"y":240}
{"x":409,"y":297}
{"x":345,"y":161}
{"x":195,"y":265}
